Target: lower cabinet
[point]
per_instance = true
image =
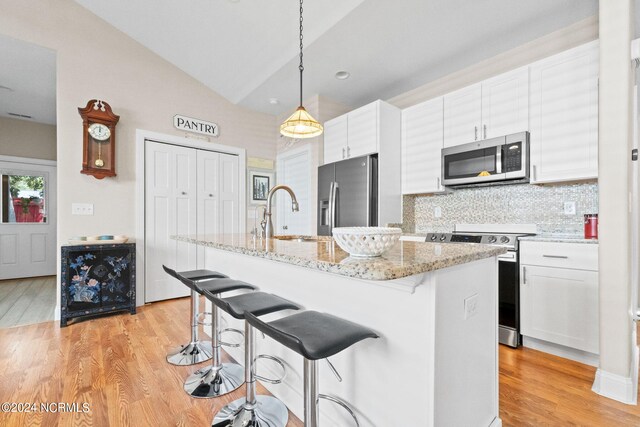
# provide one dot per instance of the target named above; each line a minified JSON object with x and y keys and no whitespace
{"x":559,"y":303}
{"x":97,"y":279}
{"x":560,"y":306}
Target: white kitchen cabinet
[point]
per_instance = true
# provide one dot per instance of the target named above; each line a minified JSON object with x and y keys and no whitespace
{"x":360,"y":132}
{"x":363,"y":131}
{"x":422,"y":139}
{"x":335,"y":139}
{"x":564,"y":116}
{"x":462,"y":116}
{"x":559,"y":294}
{"x":505,"y":104}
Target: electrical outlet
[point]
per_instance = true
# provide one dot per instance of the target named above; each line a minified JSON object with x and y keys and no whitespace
{"x":470,"y":306}
{"x":569,"y":208}
{"x":437,"y":212}
{"x":81,"y":209}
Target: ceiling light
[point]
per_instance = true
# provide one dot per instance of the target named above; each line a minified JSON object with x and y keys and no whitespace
{"x":301,"y":124}
{"x":274,"y":101}
{"x":342,"y":75}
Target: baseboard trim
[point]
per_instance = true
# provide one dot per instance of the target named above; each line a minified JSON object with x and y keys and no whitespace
{"x":614,"y":387}
{"x":562,"y":351}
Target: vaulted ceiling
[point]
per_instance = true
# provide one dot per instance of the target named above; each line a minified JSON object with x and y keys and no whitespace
{"x":246,"y":50}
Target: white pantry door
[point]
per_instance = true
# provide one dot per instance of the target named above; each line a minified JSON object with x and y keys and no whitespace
{"x":218,"y":197}
{"x":170,"y":209}
{"x":27,"y":219}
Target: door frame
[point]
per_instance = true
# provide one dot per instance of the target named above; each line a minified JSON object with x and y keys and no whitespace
{"x":143,"y":135}
{"x":294,"y":152}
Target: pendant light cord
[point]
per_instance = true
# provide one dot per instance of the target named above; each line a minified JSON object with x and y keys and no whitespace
{"x":301,"y":67}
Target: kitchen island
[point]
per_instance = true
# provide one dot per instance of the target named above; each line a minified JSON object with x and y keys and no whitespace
{"x":434,"y":307}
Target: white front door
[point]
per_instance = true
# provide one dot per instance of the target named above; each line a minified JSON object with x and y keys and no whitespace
{"x":27,"y":219}
{"x":294,"y":170}
{"x":170,"y":209}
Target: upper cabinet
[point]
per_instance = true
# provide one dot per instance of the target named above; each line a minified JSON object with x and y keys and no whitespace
{"x":462,"y":116}
{"x":505,"y":104}
{"x":495,"y":107}
{"x":358,"y":132}
{"x":335,"y":139}
{"x":564,"y":116}
{"x":422,"y":136}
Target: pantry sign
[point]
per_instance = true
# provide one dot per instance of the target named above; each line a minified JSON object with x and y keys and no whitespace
{"x":190,"y":124}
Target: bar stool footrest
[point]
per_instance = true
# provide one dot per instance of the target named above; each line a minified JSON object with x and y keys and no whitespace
{"x":274,"y":359}
{"x":235,"y":331}
{"x":342,"y":403}
{"x":200,"y":318}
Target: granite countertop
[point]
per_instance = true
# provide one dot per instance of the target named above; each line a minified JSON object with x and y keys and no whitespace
{"x":559,"y":238}
{"x":404,"y":259}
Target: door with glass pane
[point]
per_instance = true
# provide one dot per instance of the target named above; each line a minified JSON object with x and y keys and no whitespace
{"x":28,"y":223}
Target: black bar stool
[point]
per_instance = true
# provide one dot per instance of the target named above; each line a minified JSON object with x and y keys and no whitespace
{"x":197,"y":351}
{"x":315,"y":336}
{"x":252,"y":410}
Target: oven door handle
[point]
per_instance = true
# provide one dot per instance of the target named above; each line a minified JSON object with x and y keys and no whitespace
{"x":508,"y":257}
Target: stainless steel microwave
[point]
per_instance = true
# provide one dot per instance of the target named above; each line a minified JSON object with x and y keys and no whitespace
{"x":492,"y":160}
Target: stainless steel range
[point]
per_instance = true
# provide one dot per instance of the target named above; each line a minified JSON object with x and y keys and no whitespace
{"x":508,"y":270}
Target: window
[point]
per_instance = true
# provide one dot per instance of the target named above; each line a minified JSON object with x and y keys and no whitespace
{"x":23,"y":197}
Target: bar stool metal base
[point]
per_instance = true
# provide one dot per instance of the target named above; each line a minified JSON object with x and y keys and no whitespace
{"x":190,"y":354}
{"x":267,"y":412}
{"x":208,"y":382}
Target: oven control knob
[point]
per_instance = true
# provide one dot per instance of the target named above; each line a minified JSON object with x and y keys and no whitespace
{"x":492,"y":239}
{"x":443,"y":238}
{"x":434,"y":237}
{"x":504,"y":239}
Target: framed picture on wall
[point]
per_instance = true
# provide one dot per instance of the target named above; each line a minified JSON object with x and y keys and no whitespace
{"x":260,"y":182}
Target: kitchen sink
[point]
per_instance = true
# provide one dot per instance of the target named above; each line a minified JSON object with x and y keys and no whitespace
{"x":294,"y":238}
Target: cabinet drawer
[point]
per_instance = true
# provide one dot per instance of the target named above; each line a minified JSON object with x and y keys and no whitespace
{"x":578,"y":256}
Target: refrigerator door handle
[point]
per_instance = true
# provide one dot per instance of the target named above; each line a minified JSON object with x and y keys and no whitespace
{"x":330,"y":219}
{"x":333,"y":205}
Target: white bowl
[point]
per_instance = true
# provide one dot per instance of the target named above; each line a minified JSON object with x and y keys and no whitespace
{"x":366,"y":242}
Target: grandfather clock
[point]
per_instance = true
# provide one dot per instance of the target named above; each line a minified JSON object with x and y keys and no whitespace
{"x":99,"y":139}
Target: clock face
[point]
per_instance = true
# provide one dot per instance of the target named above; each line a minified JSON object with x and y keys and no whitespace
{"x":99,"y":131}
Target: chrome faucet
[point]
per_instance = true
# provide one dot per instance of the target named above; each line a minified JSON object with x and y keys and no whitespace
{"x":267,"y":213}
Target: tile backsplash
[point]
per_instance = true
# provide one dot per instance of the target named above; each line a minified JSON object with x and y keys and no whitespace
{"x":505,"y":204}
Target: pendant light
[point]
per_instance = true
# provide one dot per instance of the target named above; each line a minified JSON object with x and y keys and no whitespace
{"x":300,"y":124}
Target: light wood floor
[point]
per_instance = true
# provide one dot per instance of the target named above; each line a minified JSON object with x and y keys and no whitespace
{"x":117,"y":365}
{"x":27,"y":301}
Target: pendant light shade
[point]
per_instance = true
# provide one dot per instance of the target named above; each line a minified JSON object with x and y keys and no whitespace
{"x":301,"y":124}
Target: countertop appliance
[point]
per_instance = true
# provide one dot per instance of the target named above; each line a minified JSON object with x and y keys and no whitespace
{"x":497,"y":160}
{"x":508,"y":269}
{"x":348,"y":194}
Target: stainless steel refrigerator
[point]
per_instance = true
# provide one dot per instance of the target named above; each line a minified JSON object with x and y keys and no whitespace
{"x":348,"y":194}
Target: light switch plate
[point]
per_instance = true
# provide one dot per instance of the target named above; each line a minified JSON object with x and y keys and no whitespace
{"x":82,"y":209}
{"x":470,"y":306}
{"x":569,"y":208}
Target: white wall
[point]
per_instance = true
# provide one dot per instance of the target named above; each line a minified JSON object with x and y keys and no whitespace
{"x":22,"y":138}
{"x":615,"y":373}
{"x":94,"y":60}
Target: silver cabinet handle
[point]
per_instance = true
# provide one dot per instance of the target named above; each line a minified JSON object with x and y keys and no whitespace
{"x":285,"y":227}
{"x":556,"y":256}
{"x":535,"y":172}
{"x":184,"y":193}
{"x":210,"y":195}
{"x":485,"y":131}
{"x":348,"y":151}
{"x":437,"y":182}
{"x":475,"y":129}
{"x":343,"y":152}
{"x":524,"y":275}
